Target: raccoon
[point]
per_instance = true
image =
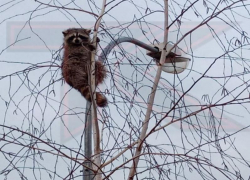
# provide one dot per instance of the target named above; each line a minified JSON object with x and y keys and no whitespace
{"x":76,"y":64}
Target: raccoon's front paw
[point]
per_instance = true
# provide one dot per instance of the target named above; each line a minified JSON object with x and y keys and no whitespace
{"x":91,"y":47}
{"x":97,"y":39}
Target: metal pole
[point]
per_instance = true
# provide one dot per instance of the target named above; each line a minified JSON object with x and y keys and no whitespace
{"x":87,"y":174}
{"x":112,"y":44}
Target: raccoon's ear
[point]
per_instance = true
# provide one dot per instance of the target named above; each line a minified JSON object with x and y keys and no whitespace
{"x":65,"y":32}
{"x":88,"y":31}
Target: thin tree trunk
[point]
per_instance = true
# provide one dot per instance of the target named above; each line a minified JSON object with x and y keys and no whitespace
{"x":151,"y":99}
{"x":96,"y":131}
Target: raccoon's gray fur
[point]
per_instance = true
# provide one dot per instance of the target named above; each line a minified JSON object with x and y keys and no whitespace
{"x":77,"y":63}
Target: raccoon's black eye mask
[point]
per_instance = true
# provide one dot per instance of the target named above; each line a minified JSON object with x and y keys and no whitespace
{"x":71,"y":38}
{"x":84,"y":38}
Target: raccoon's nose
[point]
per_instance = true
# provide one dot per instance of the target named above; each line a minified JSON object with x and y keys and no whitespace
{"x":77,"y":41}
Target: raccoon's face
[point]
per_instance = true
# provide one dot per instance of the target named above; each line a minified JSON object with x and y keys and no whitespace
{"x":76,"y":37}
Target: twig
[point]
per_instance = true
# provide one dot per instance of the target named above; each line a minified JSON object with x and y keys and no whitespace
{"x":62,"y":7}
{"x":119,"y":154}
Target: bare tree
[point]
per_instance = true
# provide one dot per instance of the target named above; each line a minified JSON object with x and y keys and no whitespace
{"x":156,"y":125}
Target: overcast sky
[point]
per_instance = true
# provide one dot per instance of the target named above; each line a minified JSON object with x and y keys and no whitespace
{"x":31,"y":34}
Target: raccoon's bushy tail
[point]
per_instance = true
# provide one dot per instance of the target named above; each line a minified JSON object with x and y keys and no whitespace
{"x":101,"y":100}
